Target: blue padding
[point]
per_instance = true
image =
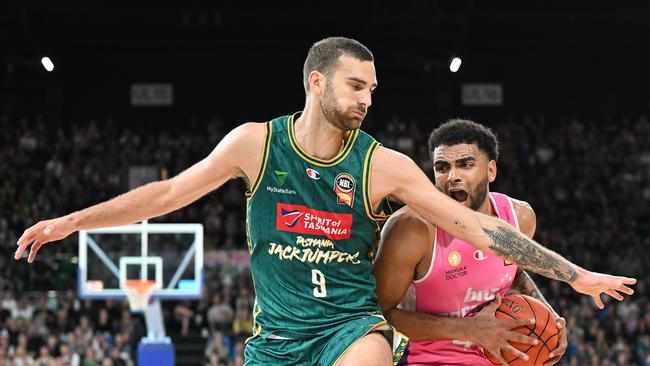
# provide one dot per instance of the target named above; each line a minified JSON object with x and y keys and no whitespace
{"x":188,"y":285}
{"x":155,"y":354}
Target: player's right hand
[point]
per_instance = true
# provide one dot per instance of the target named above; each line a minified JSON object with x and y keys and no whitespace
{"x":494,"y":335}
{"x":43,"y":232}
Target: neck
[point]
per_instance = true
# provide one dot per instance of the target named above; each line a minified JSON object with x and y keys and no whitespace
{"x":317,"y":136}
{"x":486,"y":207}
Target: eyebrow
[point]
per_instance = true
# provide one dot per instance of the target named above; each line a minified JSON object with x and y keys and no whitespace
{"x":461,"y":160}
{"x":361,"y":81}
{"x":465,"y":159}
{"x":441,"y":162}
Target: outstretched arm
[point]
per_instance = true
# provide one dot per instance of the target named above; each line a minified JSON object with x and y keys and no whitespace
{"x":232,"y":157}
{"x":395,"y":174}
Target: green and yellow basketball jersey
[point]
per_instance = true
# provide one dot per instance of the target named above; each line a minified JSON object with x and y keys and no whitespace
{"x":312,"y":235}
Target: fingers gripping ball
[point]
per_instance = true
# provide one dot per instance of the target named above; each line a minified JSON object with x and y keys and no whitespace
{"x":545,"y":329}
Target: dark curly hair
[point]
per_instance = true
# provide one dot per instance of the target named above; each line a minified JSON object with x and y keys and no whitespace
{"x":461,"y":131}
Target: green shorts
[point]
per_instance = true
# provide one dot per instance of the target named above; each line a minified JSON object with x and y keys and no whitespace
{"x":321,"y":349}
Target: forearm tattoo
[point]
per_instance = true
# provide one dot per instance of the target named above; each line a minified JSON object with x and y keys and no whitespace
{"x":511,"y":245}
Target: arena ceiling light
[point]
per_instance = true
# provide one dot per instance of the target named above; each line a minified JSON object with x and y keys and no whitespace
{"x":455,"y":63}
{"x":47,"y":64}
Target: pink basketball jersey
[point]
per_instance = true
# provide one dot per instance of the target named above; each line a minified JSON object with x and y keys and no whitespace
{"x":461,"y":279}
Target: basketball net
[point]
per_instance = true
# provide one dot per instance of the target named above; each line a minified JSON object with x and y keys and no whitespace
{"x":138,"y":292}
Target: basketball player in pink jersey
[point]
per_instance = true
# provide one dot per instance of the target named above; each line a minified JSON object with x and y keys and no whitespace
{"x":442,"y":281}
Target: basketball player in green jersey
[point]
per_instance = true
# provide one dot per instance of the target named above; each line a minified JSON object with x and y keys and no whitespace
{"x":316,"y":186}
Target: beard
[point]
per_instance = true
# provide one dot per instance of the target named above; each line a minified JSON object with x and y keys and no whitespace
{"x":335,"y":116}
{"x":477,"y":197}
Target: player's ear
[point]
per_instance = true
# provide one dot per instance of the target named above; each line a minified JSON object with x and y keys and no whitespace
{"x":317,"y":82}
{"x":492,"y":170}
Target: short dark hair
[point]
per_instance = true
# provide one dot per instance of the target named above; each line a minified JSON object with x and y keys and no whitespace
{"x":462,"y":131}
{"x":323,"y":56}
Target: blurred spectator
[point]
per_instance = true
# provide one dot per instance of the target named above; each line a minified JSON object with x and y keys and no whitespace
{"x":44,"y":357}
{"x":184,"y":315}
{"x":242,"y":325}
{"x":67,"y":357}
{"x":220,"y":314}
{"x":218,"y":346}
{"x":21,"y":357}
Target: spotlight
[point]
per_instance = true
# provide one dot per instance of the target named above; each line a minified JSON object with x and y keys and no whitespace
{"x":47,"y":64}
{"x":454,"y":65}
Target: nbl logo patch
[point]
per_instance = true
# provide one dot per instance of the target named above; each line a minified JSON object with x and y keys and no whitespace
{"x":344,"y":187}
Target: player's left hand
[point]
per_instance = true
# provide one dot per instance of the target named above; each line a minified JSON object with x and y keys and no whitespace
{"x":594,"y":284}
{"x":556,"y":355}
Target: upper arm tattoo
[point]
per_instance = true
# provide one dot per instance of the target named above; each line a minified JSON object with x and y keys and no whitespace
{"x":511,"y":245}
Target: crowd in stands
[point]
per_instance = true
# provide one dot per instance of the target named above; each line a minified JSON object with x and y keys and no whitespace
{"x":588,"y":181}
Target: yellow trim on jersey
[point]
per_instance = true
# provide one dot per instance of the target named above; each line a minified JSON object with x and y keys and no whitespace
{"x":313,"y":160}
{"x":374,"y":327}
{"x":248,"y":238}
{"x":265,"y":157}
{"x":367,"y":201}
{"x":257,"y":310}
{"x":375,"y":247}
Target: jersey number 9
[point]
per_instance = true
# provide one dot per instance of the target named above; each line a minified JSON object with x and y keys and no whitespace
{"x":318,"y":279}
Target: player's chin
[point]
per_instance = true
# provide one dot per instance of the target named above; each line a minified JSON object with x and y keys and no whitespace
{"x":354,"y":122}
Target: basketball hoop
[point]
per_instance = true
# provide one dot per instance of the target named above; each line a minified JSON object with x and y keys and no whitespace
{"x":138,"y":292}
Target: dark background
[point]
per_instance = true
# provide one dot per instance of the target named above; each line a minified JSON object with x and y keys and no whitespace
{"x":244,"y":59}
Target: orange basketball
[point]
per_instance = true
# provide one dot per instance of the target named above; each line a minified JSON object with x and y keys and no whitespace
{"x":545,"y":329}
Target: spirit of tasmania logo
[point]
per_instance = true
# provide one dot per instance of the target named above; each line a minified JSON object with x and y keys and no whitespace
{"x":305,"y":220}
